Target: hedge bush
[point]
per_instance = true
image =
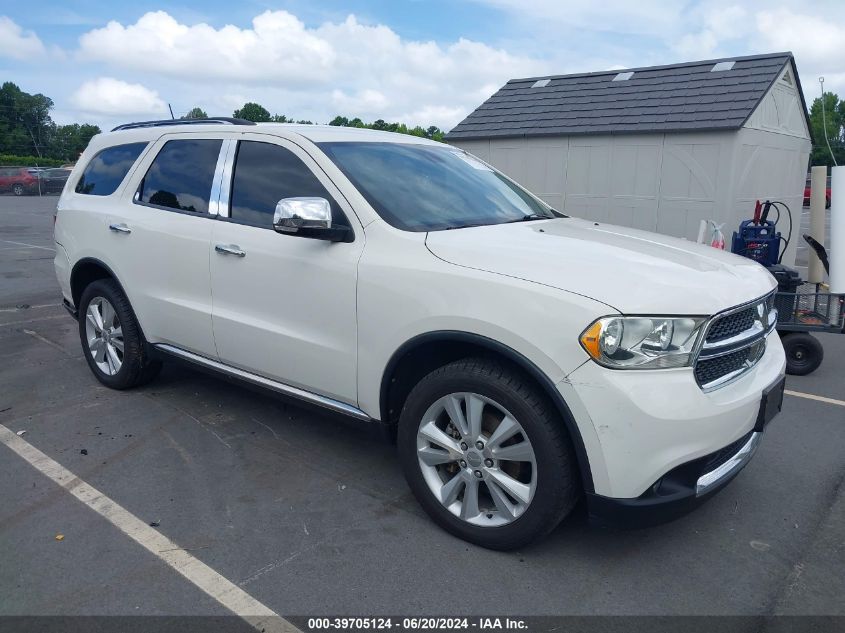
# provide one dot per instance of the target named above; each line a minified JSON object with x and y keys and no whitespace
{"x":10,"y":160}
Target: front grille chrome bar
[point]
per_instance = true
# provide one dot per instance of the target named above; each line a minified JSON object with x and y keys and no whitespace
{"x":765,"y":320}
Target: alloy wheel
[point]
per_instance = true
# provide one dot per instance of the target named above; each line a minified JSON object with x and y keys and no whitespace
{"x":477,"y":459}
{"x":104,"y":335}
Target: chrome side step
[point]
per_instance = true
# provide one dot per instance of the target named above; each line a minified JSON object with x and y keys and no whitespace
{"x":261,"y":381}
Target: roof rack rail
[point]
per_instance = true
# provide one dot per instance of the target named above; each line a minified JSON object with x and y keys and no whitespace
{"x":165,"y":122}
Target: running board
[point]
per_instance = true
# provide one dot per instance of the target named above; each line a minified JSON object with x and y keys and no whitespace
{"x":261,"y":381}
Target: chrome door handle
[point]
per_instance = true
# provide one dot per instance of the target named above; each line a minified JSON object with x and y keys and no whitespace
{"x":230,"y":249}
{"x":120,"y":228}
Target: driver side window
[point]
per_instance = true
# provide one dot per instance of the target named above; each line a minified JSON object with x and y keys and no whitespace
{"x":265,"y":173}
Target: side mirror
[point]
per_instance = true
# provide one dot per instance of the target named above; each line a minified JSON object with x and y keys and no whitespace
{"x":308,"y":217}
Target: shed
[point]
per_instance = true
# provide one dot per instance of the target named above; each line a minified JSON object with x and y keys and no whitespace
{"x":657,"y":148}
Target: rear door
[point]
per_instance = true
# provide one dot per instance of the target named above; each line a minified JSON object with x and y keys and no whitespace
{"x":284,"y":306}
{"x":163,"y":231}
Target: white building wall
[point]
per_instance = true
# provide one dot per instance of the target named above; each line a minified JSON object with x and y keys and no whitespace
{"x":659,"y":182}
{"x":655,"y":182}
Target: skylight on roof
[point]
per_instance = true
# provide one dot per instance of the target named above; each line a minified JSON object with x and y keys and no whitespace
{"x":623,"y":76}
{"x":722,"y":66}
{"x":541,"y":83}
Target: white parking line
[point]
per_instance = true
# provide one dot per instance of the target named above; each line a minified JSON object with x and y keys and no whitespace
{"x":204,"y":577}
{"x":38,"y":307}
{"x":43,"y":248}
{"x":810,"y":396}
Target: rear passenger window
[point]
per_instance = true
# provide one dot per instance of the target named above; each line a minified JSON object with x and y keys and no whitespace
{"x":108,"y":168}
{"x":181,"y":175}
{"x":266,"y":173}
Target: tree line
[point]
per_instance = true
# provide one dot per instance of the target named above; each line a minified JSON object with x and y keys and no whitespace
{"x":256,"y":112}
{"x":29,"y":136}
{"x":830,"y":129}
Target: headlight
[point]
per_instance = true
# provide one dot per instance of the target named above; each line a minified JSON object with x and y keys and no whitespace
{"x":643,"y":342}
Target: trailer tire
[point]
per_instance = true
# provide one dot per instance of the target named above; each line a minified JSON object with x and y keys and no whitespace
{"x":804,"y":353}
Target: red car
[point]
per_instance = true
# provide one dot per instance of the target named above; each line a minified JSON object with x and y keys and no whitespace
{"x":19,"y":180}
{"x":807,"y":194}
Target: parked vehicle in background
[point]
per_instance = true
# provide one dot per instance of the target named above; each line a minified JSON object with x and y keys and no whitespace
{"x":53,"y":180}
{"x":19,"y":180}
{"x":807,"y":189}
{"x":523,"y":358}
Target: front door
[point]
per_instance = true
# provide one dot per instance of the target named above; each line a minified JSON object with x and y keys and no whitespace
{"x":283,"y":306}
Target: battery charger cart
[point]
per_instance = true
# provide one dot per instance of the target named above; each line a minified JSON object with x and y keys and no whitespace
{"x":803,"y":308}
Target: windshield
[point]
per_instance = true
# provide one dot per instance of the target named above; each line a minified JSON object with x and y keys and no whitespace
{"x":431,"y":188}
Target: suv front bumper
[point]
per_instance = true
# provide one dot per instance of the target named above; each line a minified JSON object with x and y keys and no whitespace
{"x":650,"y":436}
{"x":679,"y":491}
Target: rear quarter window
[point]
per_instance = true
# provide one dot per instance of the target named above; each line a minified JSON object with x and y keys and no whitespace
{"x":108,"y":168}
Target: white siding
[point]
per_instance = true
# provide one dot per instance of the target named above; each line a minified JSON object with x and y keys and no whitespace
{"x":781,"y":111}
{"x":659,"y":182}
{"x":772,"y":167}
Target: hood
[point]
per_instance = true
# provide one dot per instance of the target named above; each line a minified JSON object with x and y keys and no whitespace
{"x":633,"y":271}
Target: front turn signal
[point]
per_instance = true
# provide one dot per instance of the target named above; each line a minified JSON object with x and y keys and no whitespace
{"x":590,"y":340}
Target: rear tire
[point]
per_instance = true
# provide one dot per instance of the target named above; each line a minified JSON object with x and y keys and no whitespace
{"x":804,"y":353}
{"x":111,"y":338}
{"x":18,"y":190}
{"x":513,"y":486}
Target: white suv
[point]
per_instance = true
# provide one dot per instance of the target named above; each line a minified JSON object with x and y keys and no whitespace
{"x":523,"y":357}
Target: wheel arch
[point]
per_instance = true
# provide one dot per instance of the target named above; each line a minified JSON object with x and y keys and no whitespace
{"x":423,"y":353}
{"x":86,"y":271}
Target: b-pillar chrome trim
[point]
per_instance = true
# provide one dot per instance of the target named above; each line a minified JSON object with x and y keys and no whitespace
{"x":261,"y":381}
{"x":219,"y":197}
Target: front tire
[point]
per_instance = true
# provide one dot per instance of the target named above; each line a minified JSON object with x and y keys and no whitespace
{"x":18,"y":189}
{"x":111,"y":338}
{"x":486,"y":454}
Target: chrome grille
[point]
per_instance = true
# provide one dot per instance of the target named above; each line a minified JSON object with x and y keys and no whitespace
{"x":731,"y":325}
{"x":709,"y":370}
{"x":733,"y":342}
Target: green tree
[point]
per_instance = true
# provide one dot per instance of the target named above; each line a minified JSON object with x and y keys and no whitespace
{"x":252,"y":112}
{"x":196,"y":113}
{"x":67,"y":142}
{"x":433,"y":132}
{"x":834,"y":121}
{"x":25,"y":121}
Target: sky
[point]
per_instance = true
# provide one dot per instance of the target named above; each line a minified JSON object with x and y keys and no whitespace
{"x":422,"y":62}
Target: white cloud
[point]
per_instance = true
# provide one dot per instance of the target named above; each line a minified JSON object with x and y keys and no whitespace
{"x":813,"y":38}
{"x":113,"y":97}
{"x":356,"y":69}
{"x":277,"y":47}
{"x":17,"y":43}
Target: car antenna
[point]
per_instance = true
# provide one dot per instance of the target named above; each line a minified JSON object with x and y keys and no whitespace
{"x":171,"y":111}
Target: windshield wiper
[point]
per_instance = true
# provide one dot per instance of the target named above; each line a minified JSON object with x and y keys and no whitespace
{"x":527,"y":218}
{"x":464,"y":226}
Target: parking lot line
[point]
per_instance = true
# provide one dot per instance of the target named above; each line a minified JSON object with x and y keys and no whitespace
{"x":43,"y":248}
{"x":810,"y":396}
{"x":38,"y":307}
{"x":204,"y":577}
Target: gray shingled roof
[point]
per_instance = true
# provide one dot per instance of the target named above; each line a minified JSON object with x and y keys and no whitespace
{"x":675,"y":98}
